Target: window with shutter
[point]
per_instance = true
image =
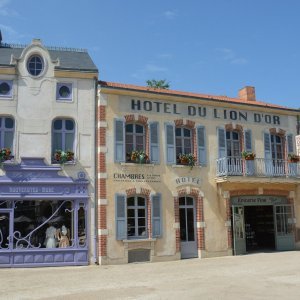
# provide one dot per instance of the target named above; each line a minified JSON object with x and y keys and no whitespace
{"x":119,"y":141}
{"x":154,"y":142}
{"x":156,"y":216}
{"x":201,"y":140}
{"x":170,"y":144}
{"x":121,"y":220}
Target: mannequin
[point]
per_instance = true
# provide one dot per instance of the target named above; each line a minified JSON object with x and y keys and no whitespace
{"x":63,"y":237}
{"x":50,"y":241}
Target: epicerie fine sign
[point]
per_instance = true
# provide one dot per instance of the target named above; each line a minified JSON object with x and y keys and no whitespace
{"x":257,"y":200}
{"x":192,"y":110}
{"x":136,"y":177}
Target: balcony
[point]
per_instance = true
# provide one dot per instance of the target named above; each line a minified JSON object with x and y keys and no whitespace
{"x":259,"y":167}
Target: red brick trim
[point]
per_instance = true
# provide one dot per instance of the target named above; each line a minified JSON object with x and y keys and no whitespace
{"x":199,"y":216}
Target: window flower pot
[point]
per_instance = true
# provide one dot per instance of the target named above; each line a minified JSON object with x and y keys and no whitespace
{"x":62,"y":157}
{"x":187,"y":160}
{"x":248,"y":155}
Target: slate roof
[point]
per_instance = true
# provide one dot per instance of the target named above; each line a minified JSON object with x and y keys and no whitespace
{"x":70,"y":59}
{"x":122,"y":86}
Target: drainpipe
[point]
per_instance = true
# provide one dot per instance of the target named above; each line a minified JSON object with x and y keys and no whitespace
{"x":96,"y":254}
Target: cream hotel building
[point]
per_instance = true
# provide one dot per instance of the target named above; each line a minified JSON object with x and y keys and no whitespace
{"x":184,"y":175}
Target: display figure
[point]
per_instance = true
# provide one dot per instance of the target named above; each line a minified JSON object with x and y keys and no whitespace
{"x":63,"y":235}
{"x":50,"y":241}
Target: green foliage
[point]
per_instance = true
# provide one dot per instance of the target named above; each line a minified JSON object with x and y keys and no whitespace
{"x":248,"y":155}
{"x":62,"y":157}
{"x":158,"y":84}
{"x":188,"y":159}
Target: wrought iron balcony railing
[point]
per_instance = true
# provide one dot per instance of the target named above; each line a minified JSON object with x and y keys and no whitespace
{"x":259,"y":167}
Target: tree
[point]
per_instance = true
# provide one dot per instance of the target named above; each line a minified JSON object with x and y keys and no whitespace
{"x":158,"y":84}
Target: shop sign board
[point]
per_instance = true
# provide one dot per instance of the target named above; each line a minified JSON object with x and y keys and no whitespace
{"x":258,"y":200}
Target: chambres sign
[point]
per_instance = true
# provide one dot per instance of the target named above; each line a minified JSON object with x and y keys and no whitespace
{"x":135,"y":105}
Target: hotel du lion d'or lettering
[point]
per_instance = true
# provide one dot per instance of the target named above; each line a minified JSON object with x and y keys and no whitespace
{"x":109,"y":173}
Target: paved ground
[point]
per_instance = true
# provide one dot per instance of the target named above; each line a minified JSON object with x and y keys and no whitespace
{"x":257,"y":276}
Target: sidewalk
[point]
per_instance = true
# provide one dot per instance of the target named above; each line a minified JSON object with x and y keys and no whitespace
{"x":257,"y":276}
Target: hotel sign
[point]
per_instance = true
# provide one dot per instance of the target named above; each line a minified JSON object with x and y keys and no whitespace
{"x":135,"y":105}
{"x":188,"y":181}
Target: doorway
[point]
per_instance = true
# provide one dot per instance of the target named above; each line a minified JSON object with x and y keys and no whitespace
{"x":188,"y":237}
{"x":259,"y":228}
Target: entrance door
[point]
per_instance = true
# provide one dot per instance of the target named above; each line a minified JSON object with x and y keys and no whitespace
{"x":239,"y":238}
{"x":5,"y":236}
{"x":285,"y":238}
{"x":187,"y":227}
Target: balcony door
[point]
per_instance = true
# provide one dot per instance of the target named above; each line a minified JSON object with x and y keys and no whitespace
{"x":233,"y":148}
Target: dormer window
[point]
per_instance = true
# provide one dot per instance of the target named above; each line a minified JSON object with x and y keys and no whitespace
{"x":6,"y":88}
{"x":35,"y":65}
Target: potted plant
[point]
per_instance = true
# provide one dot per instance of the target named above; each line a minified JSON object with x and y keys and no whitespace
{"x":248,"y":155}
{"x":5,"y":154}
{"x":138,"y":156}
{"x":188,"y":159}
{"x":62,"y":157}
{"x":293,"y":158}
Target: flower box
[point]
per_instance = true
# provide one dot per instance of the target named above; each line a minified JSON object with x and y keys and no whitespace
{"x":186,"y":159}
{"x":248,"y":155}
{"x":293,"y":158}
{"x":5,"y":154}
{"x":62,"y":157}
{"x":137,"y":156}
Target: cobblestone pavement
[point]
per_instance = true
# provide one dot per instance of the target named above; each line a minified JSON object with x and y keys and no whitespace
{"x":256,"y":276}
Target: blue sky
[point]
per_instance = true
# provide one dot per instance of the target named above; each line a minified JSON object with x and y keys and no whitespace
{"x":213,"y":47}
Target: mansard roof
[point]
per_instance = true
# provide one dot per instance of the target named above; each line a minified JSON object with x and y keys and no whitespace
{"x":70,"y":58}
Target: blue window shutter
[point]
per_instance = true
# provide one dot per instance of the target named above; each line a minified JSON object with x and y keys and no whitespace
{"x":248,"y":140}
{"x":222,"y":142}
{"x":290,"y":143}
{"x":170,"y":144}
{"x":154,"y":142}
{"x":119,"y":140}
{"x":267,"y":146}
{"x":201,"y":142}
{"x":121,"y":219}
{"x":156,"y":216}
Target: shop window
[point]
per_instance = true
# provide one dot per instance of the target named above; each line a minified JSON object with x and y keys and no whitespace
{"x":7,"y":128}
{"x":132,"y":217}
{"x":63,"y":138}
{"x":43,"y":224}
{"x":82,"y":225}
{"x":136,"y":137}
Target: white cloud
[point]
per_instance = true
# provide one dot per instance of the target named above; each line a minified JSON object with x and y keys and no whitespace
{"x":230,"y":56}
{"x":170,"y":14}
{"x":155,"y":68}
{"x":165,"y":56}
{"x":7,"y":12}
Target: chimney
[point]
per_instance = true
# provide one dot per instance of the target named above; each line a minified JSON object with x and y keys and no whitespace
{"x":247,"y":93}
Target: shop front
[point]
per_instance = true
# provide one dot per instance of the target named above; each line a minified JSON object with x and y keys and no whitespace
{"x":262,"y":223}
{"x":43,"y":216}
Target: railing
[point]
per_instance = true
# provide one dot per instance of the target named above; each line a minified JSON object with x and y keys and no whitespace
{"x":259,"y":167}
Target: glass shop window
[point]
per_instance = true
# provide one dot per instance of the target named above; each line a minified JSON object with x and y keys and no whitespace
{"x":43,"y":224}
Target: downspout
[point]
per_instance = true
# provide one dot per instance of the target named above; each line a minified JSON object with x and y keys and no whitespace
{"x":96,"y":254}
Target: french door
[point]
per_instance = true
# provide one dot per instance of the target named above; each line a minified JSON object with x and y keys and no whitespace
{"x":188,"y":236}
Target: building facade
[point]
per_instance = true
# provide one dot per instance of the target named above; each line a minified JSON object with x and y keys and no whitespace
{"x":189,"y":175}
{"x":47,"y":141}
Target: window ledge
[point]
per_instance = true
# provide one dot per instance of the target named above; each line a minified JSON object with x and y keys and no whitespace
{"x":184,"y":166}
{"x":136,"y":165}
{"x":139,"y":240}
{"x":64,"y":164}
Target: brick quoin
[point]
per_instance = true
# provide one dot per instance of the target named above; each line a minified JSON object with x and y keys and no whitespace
{"x":102,"y":162}
{"x":102,"y":113}
{"x":102,"y":136}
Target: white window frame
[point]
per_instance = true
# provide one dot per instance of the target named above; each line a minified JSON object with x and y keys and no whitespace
{"x":10,"y":93}
{"x":60,"y":98}
{"x":63,"y":131}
